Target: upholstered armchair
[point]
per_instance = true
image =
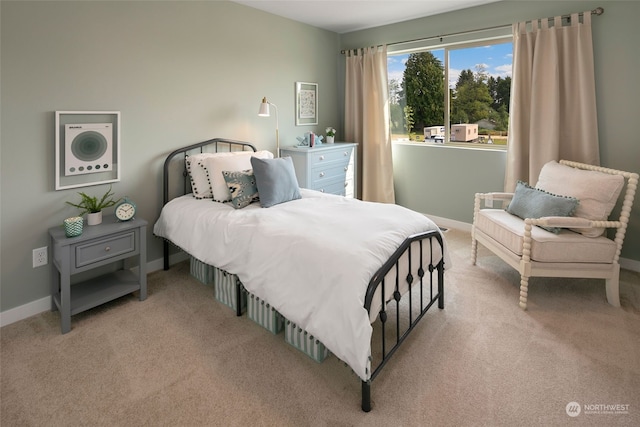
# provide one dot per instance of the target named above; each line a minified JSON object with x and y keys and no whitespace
{"x":558,"y":228}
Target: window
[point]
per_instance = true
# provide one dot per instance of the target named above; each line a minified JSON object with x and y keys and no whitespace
{"x":474,"y":108}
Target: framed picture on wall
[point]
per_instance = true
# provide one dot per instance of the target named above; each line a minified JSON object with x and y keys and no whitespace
{"x":306,"y":104}
{"x":87,"y":148}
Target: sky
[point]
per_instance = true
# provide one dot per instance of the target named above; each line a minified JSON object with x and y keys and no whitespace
{"x":495,"y":58}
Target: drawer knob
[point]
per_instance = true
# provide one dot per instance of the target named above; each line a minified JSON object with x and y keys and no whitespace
{"x":346,"y":168}
{"x":322,"y":190}
{"x":321,"y":157}
{"x":107,"y":249}
{"x":346,"y":153}
{"x":321,"y":174}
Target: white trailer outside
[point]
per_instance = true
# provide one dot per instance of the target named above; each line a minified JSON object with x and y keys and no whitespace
{"x":434,"y":133}
{"x":464,"y":132}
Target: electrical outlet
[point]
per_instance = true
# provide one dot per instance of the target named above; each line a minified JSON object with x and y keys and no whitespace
{"x":39,"y":257}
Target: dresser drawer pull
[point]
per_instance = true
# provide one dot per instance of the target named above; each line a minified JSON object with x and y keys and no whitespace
{"x":346,"y":153}
{"x":107,"y":249}
{"x":346,"y":168}
{"x":322,"y":190}
{"x":321,"y":158}
{"x":321,"y":174}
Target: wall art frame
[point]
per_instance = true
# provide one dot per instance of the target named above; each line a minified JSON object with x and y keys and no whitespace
{"x":87,"y":147}
{"x":306,"y":104}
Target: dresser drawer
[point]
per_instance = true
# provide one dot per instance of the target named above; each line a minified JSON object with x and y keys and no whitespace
{"x":328,"y":172}
{"x":342,"y":156}
{"x":105,"y":249}
{"x":331,"y":187}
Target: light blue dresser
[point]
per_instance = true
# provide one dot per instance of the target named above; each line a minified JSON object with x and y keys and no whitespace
{"x":330,"y":168}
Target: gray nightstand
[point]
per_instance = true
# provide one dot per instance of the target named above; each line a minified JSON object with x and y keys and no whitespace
{"x":98,"y":245}
{"x":330,"y":168}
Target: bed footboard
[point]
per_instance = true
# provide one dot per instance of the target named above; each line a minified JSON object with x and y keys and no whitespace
{"x":427,"y":251}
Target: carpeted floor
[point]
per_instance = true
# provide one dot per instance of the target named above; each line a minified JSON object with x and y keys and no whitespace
{"x":182,"y":359}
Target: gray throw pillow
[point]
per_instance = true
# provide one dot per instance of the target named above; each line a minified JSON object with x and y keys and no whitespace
{"x":529,"y":202}
{"x":276,"y":180}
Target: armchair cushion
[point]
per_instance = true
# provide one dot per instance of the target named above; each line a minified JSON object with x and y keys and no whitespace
{"x":529,"y":202}
{"x":564,"y":247}
{"x":597,"y":191}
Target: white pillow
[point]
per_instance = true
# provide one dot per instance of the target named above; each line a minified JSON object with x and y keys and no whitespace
{"x":597,"y":191}
{"x":198,"y":176}
{"x":216,"y":165}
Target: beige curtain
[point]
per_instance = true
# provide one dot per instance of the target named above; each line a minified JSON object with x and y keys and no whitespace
{"x":553,"y":101}
{"x":367,"y":121}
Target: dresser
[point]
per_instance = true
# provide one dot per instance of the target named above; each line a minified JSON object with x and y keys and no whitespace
{"x":329,"y":168}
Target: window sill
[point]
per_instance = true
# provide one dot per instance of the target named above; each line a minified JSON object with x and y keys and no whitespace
{"x":460,"y":145}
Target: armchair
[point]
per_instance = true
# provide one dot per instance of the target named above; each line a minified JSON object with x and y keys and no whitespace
{"x":558,"y":244}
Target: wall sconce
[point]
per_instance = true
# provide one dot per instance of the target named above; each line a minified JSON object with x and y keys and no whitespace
{"x":264,"y":111}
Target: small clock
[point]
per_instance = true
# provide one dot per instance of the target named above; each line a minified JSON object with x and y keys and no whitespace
{"x":125,"y":210}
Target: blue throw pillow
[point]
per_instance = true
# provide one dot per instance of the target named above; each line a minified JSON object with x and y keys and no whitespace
{"x":529,"y":202}
{"x":276,"y":180}
{"x":242,"y":186}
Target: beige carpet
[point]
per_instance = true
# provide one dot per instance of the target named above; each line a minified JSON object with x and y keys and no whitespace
{"x":182,"y":359}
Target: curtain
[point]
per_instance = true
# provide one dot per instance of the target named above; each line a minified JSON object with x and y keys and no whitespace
{"x":553,"y":101}
{"x":367,"y":121}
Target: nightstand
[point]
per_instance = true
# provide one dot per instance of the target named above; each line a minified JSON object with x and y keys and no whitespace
{"x":330,"y":168}
{"x":98,"y":245}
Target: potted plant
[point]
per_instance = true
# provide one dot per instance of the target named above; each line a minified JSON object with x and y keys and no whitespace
{"x":331,"y":133}
{"x":93,"y":206}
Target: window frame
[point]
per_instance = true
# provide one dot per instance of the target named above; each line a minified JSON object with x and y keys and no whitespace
{"x":427,"y":45}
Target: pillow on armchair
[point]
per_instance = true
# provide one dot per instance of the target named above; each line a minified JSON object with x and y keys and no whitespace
{"x":598,"y":192}
{"x":529,"y":202}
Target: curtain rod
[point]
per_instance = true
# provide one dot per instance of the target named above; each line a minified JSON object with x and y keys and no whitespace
{"x":597,"y":11}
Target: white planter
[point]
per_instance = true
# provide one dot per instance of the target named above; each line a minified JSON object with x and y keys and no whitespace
{"x":330,"y":139}
{"x":94,"y":218}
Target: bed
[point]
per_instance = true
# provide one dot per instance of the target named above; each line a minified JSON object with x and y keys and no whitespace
{"x":334,"y":266}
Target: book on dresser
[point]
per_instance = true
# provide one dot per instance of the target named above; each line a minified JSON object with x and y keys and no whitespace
{"x":329,"y":168}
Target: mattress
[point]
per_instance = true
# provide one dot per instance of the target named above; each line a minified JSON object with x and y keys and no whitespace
{"x":311,"y":259}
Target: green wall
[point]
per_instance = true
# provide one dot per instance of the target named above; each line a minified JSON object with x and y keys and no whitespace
{"x":179,"y":73}
{"x":183,"y":72}
{"x":441,"y":181}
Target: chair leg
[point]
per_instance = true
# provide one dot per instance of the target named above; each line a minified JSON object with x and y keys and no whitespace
{"x":524,"y":291}
{"x":613,"y":288}
{"x":474,"y":250}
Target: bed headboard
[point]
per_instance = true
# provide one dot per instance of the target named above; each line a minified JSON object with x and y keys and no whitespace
{"x":216,"y":145}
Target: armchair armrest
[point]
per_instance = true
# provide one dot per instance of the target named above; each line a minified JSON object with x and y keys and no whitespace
{"x":489,"y":198}
{"x":494,"y":196}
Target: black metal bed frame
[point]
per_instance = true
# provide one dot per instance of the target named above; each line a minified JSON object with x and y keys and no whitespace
{"x":430,"y":276}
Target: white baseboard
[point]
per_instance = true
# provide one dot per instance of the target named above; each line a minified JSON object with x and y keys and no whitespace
{"x":13,"y":315}
{"x":27,"y":310}
{"x":32,"y":308}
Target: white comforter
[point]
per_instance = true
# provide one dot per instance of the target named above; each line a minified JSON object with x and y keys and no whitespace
{"x":311,"y":258}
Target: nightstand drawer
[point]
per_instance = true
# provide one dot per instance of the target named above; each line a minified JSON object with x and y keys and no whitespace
{"x":104,"y":249}
{"x":342,"y":155}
